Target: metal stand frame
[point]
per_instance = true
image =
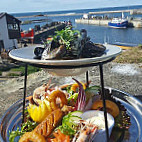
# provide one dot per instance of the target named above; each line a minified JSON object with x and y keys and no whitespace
{"x":104,"y":102}
{"x":25,"y":91}
{"x":87,"y":81}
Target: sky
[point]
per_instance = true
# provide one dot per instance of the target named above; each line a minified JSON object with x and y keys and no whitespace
{"x":21,"y":6}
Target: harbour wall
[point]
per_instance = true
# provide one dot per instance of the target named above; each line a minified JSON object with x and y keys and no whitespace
{"x":104,"y":22}
{"x":136,"y":23}
{"x":92,"y":21}
{"x":47,"y":32}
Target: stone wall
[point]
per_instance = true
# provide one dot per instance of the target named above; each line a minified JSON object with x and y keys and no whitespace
{"x":45,"y":33}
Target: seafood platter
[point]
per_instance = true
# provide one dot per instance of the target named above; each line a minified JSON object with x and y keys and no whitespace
{"x":71,"y":112}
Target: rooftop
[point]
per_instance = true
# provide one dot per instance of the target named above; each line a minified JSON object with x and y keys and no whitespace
{"x":8,"y":15}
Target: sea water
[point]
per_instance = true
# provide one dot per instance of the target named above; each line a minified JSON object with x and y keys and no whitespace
{"x":98,"y":34}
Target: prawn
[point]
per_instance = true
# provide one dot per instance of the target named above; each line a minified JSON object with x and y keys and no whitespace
{"x":40,"y":93}
{"x":60,"y":137}
{"x":86,"y":133}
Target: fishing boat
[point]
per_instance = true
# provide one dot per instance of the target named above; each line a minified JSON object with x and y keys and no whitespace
{"x":27,"y":34}
{"x":119,"y":22}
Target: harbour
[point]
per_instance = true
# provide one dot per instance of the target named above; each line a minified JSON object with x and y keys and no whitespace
{"x":131,"y":11}
{"x":97,"y":28}
{"x":104,"y":22}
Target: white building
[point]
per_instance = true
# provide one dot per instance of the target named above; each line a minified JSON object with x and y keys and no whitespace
{"x":86,"y":16}
{"x":9,"y":32}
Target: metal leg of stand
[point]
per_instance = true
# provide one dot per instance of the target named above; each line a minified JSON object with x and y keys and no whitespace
{"x":104,"y":103}
{"x":25,"y":87}
{"x":87,"y":78}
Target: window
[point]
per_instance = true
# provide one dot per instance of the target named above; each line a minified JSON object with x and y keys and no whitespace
{"x":13,"y":26}
{"x":1,"y":46}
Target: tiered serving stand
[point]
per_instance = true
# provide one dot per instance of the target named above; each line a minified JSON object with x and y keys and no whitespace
{"x":12,"y":118}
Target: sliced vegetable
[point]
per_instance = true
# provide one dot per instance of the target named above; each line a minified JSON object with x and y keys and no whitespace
{"x":70,"y":123}
{"x":81,"y":100}
{"x":74,"y":119}
{"x":76,"y":113}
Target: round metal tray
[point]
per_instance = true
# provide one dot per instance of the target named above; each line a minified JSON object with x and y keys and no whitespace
{"x":13,"y":118}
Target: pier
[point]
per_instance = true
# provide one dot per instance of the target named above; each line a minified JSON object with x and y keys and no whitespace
{"x":131,"y":11}
{"x":109,"y":12}
{"x":104,"y":22}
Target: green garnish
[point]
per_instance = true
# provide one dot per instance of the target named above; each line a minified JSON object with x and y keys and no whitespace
{"x":26,"y":127}
{"x":73,"y":97}
{"x":66,"y":36}
{"x":69,"y":124}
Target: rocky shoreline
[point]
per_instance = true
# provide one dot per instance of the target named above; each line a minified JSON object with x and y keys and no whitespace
{"x":124,"y":77}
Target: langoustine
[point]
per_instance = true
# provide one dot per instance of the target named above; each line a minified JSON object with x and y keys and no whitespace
{"x":86,"y":133}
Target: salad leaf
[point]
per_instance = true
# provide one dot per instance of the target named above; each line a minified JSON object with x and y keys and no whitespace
{"x":66,"y":36}
{"x":26,"y":127}
{"x":81,"y":100}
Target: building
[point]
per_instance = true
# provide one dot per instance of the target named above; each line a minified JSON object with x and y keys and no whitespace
{"x":9,"y":32}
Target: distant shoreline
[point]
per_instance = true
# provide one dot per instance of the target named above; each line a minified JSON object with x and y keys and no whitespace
{"x":132,"y":11}
{"x":51,"y":15}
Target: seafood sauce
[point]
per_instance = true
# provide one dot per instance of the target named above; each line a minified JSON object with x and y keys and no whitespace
{"x":99,"y":121}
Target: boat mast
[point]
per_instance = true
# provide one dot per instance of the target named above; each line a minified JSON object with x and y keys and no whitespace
{"x":123,"y":16}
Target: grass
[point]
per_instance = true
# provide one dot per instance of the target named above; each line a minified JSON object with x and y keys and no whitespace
{"x":13,"y":74}
{"x":133,"y":55}
{"x":21,"y":69}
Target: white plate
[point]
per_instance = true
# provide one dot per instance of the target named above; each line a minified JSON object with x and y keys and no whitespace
{"x":27,"y":55}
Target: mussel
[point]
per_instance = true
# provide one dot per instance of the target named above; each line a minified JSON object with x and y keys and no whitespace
{"x":77,"y":45}
{"x":91,"y":49}
{"x":38,"y":52}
